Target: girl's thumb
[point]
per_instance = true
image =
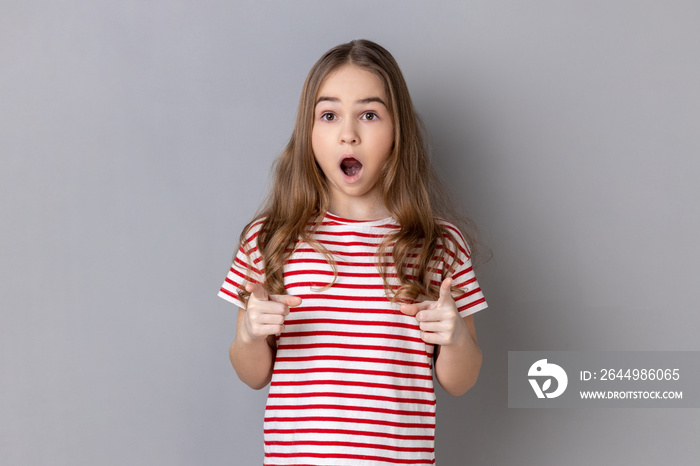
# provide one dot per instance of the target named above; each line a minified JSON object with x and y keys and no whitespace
{"x":255,"y":289}
{"x":445,"y":290}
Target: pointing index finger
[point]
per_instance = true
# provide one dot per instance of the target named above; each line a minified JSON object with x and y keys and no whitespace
{"x":288,"y":300}
{"x":413,"y":309}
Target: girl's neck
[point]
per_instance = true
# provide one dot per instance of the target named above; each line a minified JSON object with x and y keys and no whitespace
{"x":359,"y":211}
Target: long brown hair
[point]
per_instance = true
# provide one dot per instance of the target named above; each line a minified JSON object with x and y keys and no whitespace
{"x":299,"y":196}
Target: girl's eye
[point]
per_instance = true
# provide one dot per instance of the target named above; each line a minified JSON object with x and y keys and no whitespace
{"x":328,"y":117}
{"x":369,"y":116}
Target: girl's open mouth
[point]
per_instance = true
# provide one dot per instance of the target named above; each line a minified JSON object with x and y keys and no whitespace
{"x":352,"y":168}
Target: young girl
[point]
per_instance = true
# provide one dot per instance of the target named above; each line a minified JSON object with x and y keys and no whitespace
{"x":351,"y":284}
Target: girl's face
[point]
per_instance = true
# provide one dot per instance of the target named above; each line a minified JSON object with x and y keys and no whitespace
{"x":352,"y":137}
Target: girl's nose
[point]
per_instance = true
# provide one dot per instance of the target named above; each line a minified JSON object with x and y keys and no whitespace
{"x":348,"y":134}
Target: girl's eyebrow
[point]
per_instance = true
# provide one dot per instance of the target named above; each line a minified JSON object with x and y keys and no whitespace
{"x":357,"y":102}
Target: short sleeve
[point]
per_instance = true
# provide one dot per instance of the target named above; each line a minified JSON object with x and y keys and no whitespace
{"x":246,"y":268}
{"x":464,"y":278}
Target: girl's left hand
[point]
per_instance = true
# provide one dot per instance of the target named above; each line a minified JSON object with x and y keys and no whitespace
{"x":439,"y":320}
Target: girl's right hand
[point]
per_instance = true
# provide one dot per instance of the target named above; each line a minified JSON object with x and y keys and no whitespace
{"x":265,"y":313}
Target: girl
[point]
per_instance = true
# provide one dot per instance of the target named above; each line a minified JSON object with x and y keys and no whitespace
{"x":351,"y":285}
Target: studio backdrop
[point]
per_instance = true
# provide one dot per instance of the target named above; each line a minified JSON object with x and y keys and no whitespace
{"x":136,"y":140}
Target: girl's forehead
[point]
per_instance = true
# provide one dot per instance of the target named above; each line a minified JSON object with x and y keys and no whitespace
{"x":351,"y":80}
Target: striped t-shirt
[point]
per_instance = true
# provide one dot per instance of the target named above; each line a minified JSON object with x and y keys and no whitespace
{"x":352,"y":382}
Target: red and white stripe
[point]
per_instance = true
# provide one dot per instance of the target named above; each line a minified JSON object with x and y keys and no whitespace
{"x":352,"y":382}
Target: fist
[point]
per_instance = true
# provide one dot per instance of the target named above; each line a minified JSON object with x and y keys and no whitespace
{"x":439,"y":321}
{"x":265,"y":313}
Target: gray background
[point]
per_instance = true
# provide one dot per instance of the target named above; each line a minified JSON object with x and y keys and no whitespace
{"x":136,"y":139}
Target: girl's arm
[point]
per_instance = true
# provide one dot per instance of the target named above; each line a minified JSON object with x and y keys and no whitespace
{"x":252,"y":353}
{"x":252,"y":359}
{"x":458,"y":356}
{"x":457,"y":366}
